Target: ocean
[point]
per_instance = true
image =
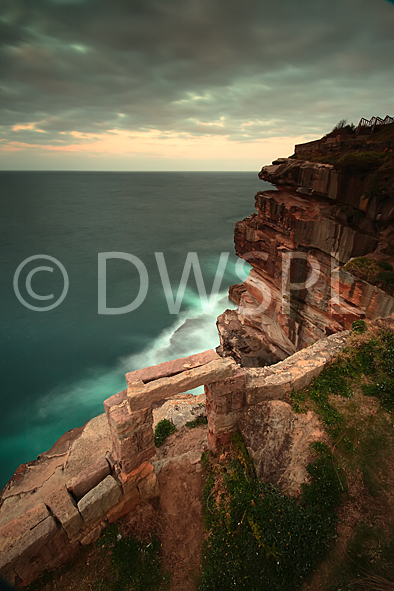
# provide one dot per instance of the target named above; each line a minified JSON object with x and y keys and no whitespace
{"x":58,"y":365}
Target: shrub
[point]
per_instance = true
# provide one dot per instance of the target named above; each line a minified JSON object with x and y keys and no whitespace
{"x":198,"y":421}
{"x":163,"y":429}
{"x":358,"y":326}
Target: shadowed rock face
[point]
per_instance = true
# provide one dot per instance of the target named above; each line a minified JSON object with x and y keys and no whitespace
{"x":278,"y":441}
{"x":297,"y":242}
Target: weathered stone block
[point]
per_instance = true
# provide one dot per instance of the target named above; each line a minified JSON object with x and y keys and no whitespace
{"x":97,"y":502}
{"x":238,"y":400}
{"x":114,"y":400}
{"x":130,"y":463}
{"x":131,"y":480}
{"x":137,"y":442}
{"x":30,"y":544}
{"x":149,"y":487}
{"x":223,"y":423}
{"x":19,"y":526}
{"x":127,"y":504}
{"x":69,"y":553}
{"x":64,"y":509}
{"x":236,"y":382}
{"x":122,"y":422}
{"x":224,"y":404}
{"x":171,"y":368}
{"x":30,"y":565}
{"x":88,"y":479}
{"x":273,"y":387}
{"x":142,"y":395}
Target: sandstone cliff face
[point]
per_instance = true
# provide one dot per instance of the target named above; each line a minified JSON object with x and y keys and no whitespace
{"x":297,"y":242}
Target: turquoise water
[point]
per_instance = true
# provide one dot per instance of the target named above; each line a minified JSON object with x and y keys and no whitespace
{"x":58,"y":366}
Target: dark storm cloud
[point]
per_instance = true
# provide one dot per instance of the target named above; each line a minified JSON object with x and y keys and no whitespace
{"x":282,"y":68}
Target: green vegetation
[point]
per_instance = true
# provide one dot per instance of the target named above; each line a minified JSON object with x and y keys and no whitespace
{"x":368,"y":546}
{"x":116,"y":562}
{"x":198,"y":421}
{"x":363,"y":448}
{"x":260,"y":538}
{"x":352,"y":162}
{"x":380,"y":185}
{"x":379,"y":273}
{"x":163,"y":429}
{"x":134,"y":565}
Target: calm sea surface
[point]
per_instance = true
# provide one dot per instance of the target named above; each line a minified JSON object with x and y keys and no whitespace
{"x":58,"y":366}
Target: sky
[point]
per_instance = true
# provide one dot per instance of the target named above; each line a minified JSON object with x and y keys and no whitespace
{"x":185,"y":84}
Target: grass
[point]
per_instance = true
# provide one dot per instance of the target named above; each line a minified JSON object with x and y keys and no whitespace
{"x":351,"y":162}
{"x":116,"y":562}
{"x":260,"y":538}
{"x":163,"y":429}
{"x":134,"y":565}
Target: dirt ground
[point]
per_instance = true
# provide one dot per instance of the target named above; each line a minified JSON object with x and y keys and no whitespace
{"x":177,"y":517}
{"x":181,"y":513}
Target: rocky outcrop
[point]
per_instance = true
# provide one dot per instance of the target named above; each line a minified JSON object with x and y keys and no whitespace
{"x":63,"y":500}
{"x":227,"y":400}
{"x":297,"y":242}
{"x":279,"y":443}
{"x":336,"y":183}
{"x":180,"y":409}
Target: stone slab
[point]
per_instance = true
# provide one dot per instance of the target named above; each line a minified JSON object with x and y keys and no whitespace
{"x":43,"y":558}
{"x":97,"y":502}
{"x":29,"y":544}
{"x":88,"y":478}
{"x":295,"y":372}
{"x":18,"y":527}
{"x":63,"y":507}
{"x":142,"y":395}
{"x":171,"y":368}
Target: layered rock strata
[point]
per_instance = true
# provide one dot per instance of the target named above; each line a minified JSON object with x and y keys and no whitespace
{"x":297,"y":242}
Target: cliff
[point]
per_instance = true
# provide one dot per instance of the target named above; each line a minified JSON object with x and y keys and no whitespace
{"x":303,"y":234}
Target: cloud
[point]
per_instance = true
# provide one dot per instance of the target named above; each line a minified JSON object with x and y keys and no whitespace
{"x":241,"y":71}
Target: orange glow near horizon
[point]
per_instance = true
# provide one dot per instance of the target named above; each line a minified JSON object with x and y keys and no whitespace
{"x":159,"y":145}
